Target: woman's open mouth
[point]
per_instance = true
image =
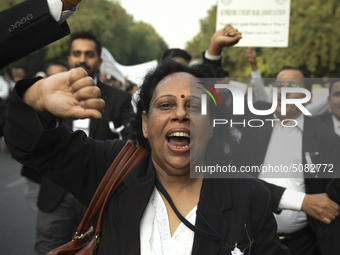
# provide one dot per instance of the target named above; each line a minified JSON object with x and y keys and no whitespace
{"x":178,"y":140}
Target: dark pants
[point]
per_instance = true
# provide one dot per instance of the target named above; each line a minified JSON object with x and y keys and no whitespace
{"x":302,"y":242}
{"x":58,"y":227}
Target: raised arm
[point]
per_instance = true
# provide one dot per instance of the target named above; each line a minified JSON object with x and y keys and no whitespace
{"x":226,"y":37}
{"x":70,"y":159}
{"x":260,"y":93}
{"x":29,"y":26}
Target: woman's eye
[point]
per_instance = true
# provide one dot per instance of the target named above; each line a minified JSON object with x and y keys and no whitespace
{"x":194,"y":106}
{"x":165,"y":105}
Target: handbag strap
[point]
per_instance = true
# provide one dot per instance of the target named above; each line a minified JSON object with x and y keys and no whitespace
{"x":103,"y":188}
{"x":133,"y":160}
{"x":127,"y":158}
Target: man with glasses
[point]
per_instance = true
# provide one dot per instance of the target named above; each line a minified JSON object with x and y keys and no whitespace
{"x":307,"y":219}
{"x":333,"y":119}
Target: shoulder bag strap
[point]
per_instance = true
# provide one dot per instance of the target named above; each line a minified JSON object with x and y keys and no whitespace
{"x":111,"y":181}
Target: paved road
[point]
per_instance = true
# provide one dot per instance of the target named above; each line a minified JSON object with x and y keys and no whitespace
{"x":17,"y":222}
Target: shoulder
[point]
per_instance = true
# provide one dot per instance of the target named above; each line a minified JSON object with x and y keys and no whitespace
{"x":324,"y":134}
{"x":249,"y":187}
{"x":319,"y":126}
{"x":323,"y":117}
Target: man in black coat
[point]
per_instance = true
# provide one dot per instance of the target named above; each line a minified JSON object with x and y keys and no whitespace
{"x":332,"y":120}
{"x":312,"y":144}
{"x":84,"y":51}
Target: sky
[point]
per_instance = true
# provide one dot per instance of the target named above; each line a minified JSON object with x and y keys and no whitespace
{"x":176,"y":21}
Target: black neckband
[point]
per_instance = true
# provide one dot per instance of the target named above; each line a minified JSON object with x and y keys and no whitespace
{"x":210,"y":234}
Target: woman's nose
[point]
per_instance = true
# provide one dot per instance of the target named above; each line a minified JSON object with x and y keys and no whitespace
{"x":181,"y":113}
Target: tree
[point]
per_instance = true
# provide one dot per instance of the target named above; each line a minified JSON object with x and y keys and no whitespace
{"x":145,"y":39}
{"x":129,"y":42}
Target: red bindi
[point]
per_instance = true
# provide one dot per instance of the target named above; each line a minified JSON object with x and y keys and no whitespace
{"x":182,"y":96}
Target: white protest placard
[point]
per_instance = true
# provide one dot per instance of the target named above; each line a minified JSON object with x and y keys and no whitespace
{"x":263,"y":23}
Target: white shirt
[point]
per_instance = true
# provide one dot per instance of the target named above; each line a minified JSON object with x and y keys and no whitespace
{"x":155,"y":235}
{"x":285,"y":148}
{"x":259,"y":93}
{"x":83,"y":124}
{"x":4,"y":89}
{"x":55,"y":8}
{"x":336,"y":125}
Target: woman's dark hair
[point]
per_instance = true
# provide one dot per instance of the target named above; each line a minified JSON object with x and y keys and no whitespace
{"x":175,"y":53}
{"x":147,"y":89}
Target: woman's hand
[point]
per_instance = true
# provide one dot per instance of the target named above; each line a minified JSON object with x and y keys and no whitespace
{"x":68,"y":95}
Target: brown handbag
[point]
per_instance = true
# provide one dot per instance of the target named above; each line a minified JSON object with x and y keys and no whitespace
{"x":86,"y":239}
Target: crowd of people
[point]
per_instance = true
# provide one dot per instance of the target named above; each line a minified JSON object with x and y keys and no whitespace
{"x":79,"y":120}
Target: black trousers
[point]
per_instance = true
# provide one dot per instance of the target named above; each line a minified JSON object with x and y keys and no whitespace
{"x":302,"y":242}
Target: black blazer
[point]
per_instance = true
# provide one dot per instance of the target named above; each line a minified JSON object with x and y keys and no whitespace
{"x":118,"y":109}
{"x":316,"y":138}
{"x":3,"y":112}
{"x":333,"y":188}
{"x":25,"y":28}
{"x":232,"y":206}
{"x":326,"y":119}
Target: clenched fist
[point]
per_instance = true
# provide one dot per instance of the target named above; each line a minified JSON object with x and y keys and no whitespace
{"x":68,"y":95}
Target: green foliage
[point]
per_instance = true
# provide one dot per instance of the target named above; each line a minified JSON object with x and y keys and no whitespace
{"x":129,"y":42}
{"x":144,"y":36}
{"x":201,"y":41}
{"x":314,"y":37}
{"x":5,"y":4}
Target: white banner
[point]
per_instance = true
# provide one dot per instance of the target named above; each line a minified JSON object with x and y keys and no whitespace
{"x":133,"y":73}
{"x":263,"y":23}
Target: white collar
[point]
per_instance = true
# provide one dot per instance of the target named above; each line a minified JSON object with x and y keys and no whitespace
{"x":336,"y":122}
{"x":300,"y":121}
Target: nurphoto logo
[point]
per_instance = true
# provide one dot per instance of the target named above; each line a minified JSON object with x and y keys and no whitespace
{"x":238,"y":102}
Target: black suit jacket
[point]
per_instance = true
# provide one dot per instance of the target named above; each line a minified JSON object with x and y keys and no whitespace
{"x":117,"y":109}
{"x":333,"y":188}
{"x":316,"y":138}
{"x":326,"y":119}
{"x":232,"y":207}
{"x":3,"y":111}
{"x":25,"y":28}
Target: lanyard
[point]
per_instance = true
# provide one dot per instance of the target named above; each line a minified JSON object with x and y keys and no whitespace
{"x":210,"y":233}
